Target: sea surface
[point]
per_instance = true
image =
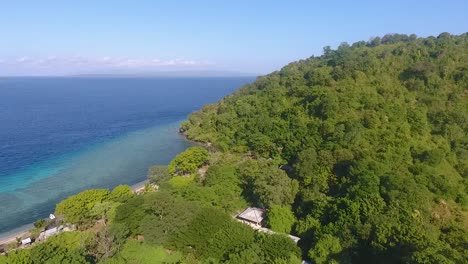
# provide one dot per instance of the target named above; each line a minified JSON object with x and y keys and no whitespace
{"x":59,"y":136}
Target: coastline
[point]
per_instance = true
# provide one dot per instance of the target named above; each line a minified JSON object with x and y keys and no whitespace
{"x":10,"y":236}
{"x":144,"y":148}
{"x":139,"y":186}
{"x":23,"y":231}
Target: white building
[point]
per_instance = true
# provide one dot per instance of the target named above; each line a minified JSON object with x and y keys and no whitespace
{"x":49,"y":232}
{"x":26,"y":241}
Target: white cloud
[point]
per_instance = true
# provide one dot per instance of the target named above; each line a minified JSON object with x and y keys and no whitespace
{"x":77,"y":64}
{"x":23,"y":59}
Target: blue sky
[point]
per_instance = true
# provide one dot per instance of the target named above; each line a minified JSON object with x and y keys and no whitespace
{"x":72,"y":37}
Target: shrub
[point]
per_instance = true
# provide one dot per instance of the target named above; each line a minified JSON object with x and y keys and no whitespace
{"x":188,"y":161}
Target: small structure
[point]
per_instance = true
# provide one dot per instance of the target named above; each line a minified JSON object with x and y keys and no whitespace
{"x":26,"y":241}
{"x":49,"y":232}
{"x":52,"y":216}
{"x":252,"y":216}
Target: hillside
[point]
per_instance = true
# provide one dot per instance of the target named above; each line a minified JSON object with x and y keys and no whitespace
{"x":362,"y":153}
{"x":376,"y":136}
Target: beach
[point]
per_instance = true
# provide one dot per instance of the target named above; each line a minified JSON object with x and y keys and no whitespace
{"x":139,"y":186}
{"x":23,"y":232}
{"x":9,"y":237}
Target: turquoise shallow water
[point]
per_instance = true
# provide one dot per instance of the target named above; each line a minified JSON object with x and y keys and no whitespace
{"x":121,"y":160}
{"x":59,"y":136}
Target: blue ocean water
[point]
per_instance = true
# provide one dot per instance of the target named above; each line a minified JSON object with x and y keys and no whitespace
{"x":59,"y":136}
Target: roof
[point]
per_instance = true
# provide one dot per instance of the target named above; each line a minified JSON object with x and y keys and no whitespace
{"x":50,"y":231}
{"x":294,"y":238}
{"x":26,"y":241}
{"x":252,"y":214}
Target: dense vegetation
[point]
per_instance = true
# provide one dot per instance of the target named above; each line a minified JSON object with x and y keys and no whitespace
{"x":189,"y":219}
{"x":361,"y":152}
{"x":375,"y":133}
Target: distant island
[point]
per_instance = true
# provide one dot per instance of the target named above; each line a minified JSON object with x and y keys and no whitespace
{"x":355,"y":156}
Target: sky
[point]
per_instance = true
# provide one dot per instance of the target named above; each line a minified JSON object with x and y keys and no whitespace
{"x":255,"y":37}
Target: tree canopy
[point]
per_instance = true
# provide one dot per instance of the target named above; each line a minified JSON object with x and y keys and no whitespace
{"x":188,"y":161}
{"x":281,"y":219}
{"x":77,"y":209}
{"x":374,"y":139}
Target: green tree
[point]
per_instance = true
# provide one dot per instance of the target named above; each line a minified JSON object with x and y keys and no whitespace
{"x":77,"y":209}
{"x":278,"y":247}
{"x":252,"y":254}
{"x":188,"y":161}
{"x":166,"y":215}
{"x":130,"y":214}
{"x":143,"y":253}
{"x":20,"y":256}
{"x":68,"y":247}
{"x":280,"y":218}
{"x":121,"y":193}
{"x":225,"y":183}
{"x":158,"y":174}
{"x":265,"y":184}
{"x":325,"y":248}
{"x":275,"y":188}
{"x":104,"y":211}
{"x":311,"y":171}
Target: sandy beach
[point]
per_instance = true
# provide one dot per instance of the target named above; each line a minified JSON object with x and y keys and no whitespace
{"x":8,"y":237}
{"x":138,"y":186}
{"x":11,"y":238}
{"x":23,"y":232}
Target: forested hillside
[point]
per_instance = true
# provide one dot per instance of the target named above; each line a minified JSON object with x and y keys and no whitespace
{"x":375,"y":138}
{"x":362,"y":153}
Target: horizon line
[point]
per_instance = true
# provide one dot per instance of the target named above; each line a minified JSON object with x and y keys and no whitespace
{"x":142,"y":75}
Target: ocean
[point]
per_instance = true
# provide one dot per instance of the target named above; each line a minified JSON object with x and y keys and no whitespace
{"x":59,"y":136}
